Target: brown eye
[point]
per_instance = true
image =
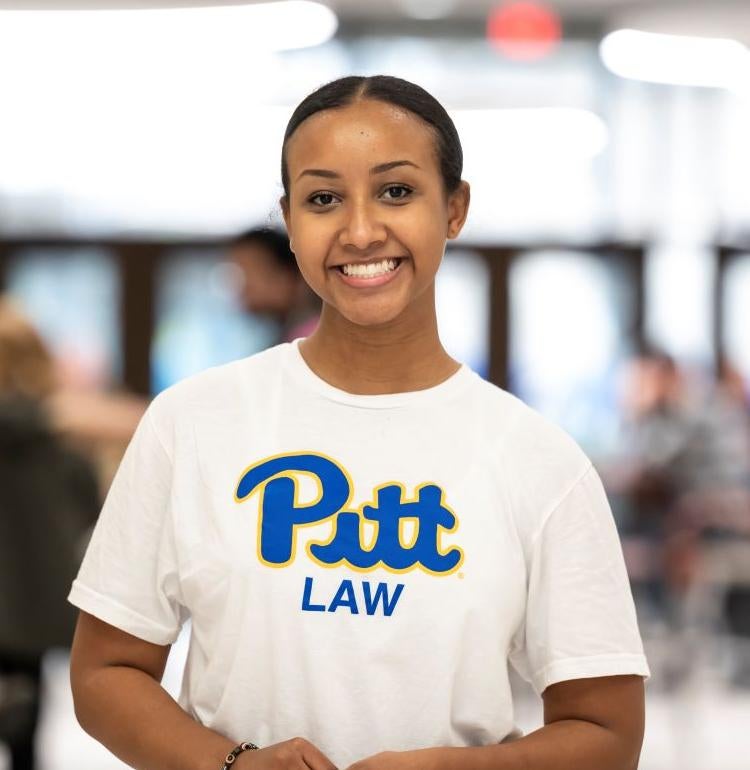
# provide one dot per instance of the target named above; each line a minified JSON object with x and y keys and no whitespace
{"x":398,"y":192}
{"x":323,"y":199}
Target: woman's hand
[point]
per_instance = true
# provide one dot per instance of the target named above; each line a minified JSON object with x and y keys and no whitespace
{"x":294,"y":754}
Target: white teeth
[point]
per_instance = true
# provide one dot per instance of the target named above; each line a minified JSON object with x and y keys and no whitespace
{"x":372,"y":269}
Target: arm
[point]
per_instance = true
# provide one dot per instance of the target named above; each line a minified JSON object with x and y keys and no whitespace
{"x":119,"y":701}
{"x":589,"y":724}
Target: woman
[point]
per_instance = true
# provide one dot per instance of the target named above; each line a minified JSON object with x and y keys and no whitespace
{"x":49,"y":498}
{"x":362,"y":529}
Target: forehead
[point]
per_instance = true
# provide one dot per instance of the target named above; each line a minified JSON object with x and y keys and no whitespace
{"x":364,"y":133}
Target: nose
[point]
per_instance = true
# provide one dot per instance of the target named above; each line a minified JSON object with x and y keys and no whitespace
{"x":363,"y":228}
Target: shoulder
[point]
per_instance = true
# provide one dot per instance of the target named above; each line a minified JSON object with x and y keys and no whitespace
{"x":215,"y":391}
{"x":522,"y":436}
{"x":536,"y":461}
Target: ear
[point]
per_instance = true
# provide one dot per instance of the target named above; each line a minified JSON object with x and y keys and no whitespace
{"x":458,"y":209}
{"x":284,"y":205}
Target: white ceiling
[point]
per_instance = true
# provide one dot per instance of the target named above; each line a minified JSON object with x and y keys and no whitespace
{"x":362,"y":7}
{"x":721,"y":18}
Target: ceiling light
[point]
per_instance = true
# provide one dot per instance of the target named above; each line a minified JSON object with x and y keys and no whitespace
{"x":551,"y":135}
{"x":264,"y":26}
{"x":676,"y":59}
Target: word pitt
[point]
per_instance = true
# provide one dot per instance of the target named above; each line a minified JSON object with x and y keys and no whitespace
{"x":281,"y":515}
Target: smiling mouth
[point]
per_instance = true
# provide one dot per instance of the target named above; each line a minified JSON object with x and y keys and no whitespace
{"x":397,"y":260}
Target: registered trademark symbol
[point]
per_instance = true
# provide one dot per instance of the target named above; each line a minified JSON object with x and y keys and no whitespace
{"x":460,"y":575}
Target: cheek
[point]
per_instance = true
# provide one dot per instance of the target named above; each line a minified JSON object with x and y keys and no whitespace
{"x":312,"y":250}
{"x":423,"y":231}
{"x":428,"y":216}
{"x":308,"y":237}
{"x":310,"y":265}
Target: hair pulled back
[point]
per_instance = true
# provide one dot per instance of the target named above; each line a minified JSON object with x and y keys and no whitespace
{"x":391,"y":90}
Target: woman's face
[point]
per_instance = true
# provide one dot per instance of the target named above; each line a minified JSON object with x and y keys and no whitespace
{"x":365,"y":186}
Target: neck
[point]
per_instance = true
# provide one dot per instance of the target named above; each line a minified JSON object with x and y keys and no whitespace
{"x":370,"y":360}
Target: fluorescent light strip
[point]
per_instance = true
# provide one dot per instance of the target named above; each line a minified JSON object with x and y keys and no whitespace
{"x":199,"y":31}
{"x":557,"y":134}
{"x":676,"y":59}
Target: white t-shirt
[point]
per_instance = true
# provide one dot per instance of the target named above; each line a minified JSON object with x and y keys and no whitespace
{"x":359,"y":569}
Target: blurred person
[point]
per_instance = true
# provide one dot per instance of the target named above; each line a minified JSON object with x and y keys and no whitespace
{"x":713,"y":516}
{"x":49,"y":499}
{"x":296,"y":645}
{"x":655,"y":464}
{"x":721,"y":479}
{"x":99,"y":424}
{"x":732,"y":382}
{"x":272,"y":283}
{"x":657,"y":430}
{"x":683,"y":478}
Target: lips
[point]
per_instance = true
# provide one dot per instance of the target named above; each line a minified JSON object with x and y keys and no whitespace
{"x":366,"y":262}
{"x":369,"y":282}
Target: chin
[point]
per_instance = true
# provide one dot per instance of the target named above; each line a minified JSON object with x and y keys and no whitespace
{"x":373,"y":319}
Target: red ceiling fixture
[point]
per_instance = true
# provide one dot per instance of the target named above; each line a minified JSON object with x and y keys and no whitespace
{"x":525,"y":30}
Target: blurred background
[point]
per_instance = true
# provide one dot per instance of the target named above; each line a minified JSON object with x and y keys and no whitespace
{"x":603,"y":276}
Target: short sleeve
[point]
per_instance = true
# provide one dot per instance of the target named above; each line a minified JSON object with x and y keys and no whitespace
{"x":128,"y":577}
{"x":580,"y":617}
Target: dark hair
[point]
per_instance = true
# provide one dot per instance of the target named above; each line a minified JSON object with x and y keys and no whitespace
{"x":651,"y":352}
{"x":274,"y":241}
{"x":391,"y":90}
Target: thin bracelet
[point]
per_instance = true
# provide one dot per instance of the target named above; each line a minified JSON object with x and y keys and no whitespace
{"x":235,"y":752}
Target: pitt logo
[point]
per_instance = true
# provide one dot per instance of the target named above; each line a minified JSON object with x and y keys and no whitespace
{"x":282,"y":515}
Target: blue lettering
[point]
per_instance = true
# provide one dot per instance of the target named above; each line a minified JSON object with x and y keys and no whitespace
{"x":282,"y":514}
{"x":306,"y":598}
{"x":381,"y":593}
{"x":345,"y":597}
{"x":347,"y":588}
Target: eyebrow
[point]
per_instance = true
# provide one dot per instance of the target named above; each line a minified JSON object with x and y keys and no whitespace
{"x":379,"y":169}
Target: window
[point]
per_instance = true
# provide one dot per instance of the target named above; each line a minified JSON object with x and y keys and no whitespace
{"x":199,"y":321}
{"x":72,"y":296}
{"x":737,"y":314}
{"x":568,"y":316}
{"x":462,"y":298}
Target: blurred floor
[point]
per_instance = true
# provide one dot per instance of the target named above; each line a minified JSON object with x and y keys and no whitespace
{"x":699,"y":723}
